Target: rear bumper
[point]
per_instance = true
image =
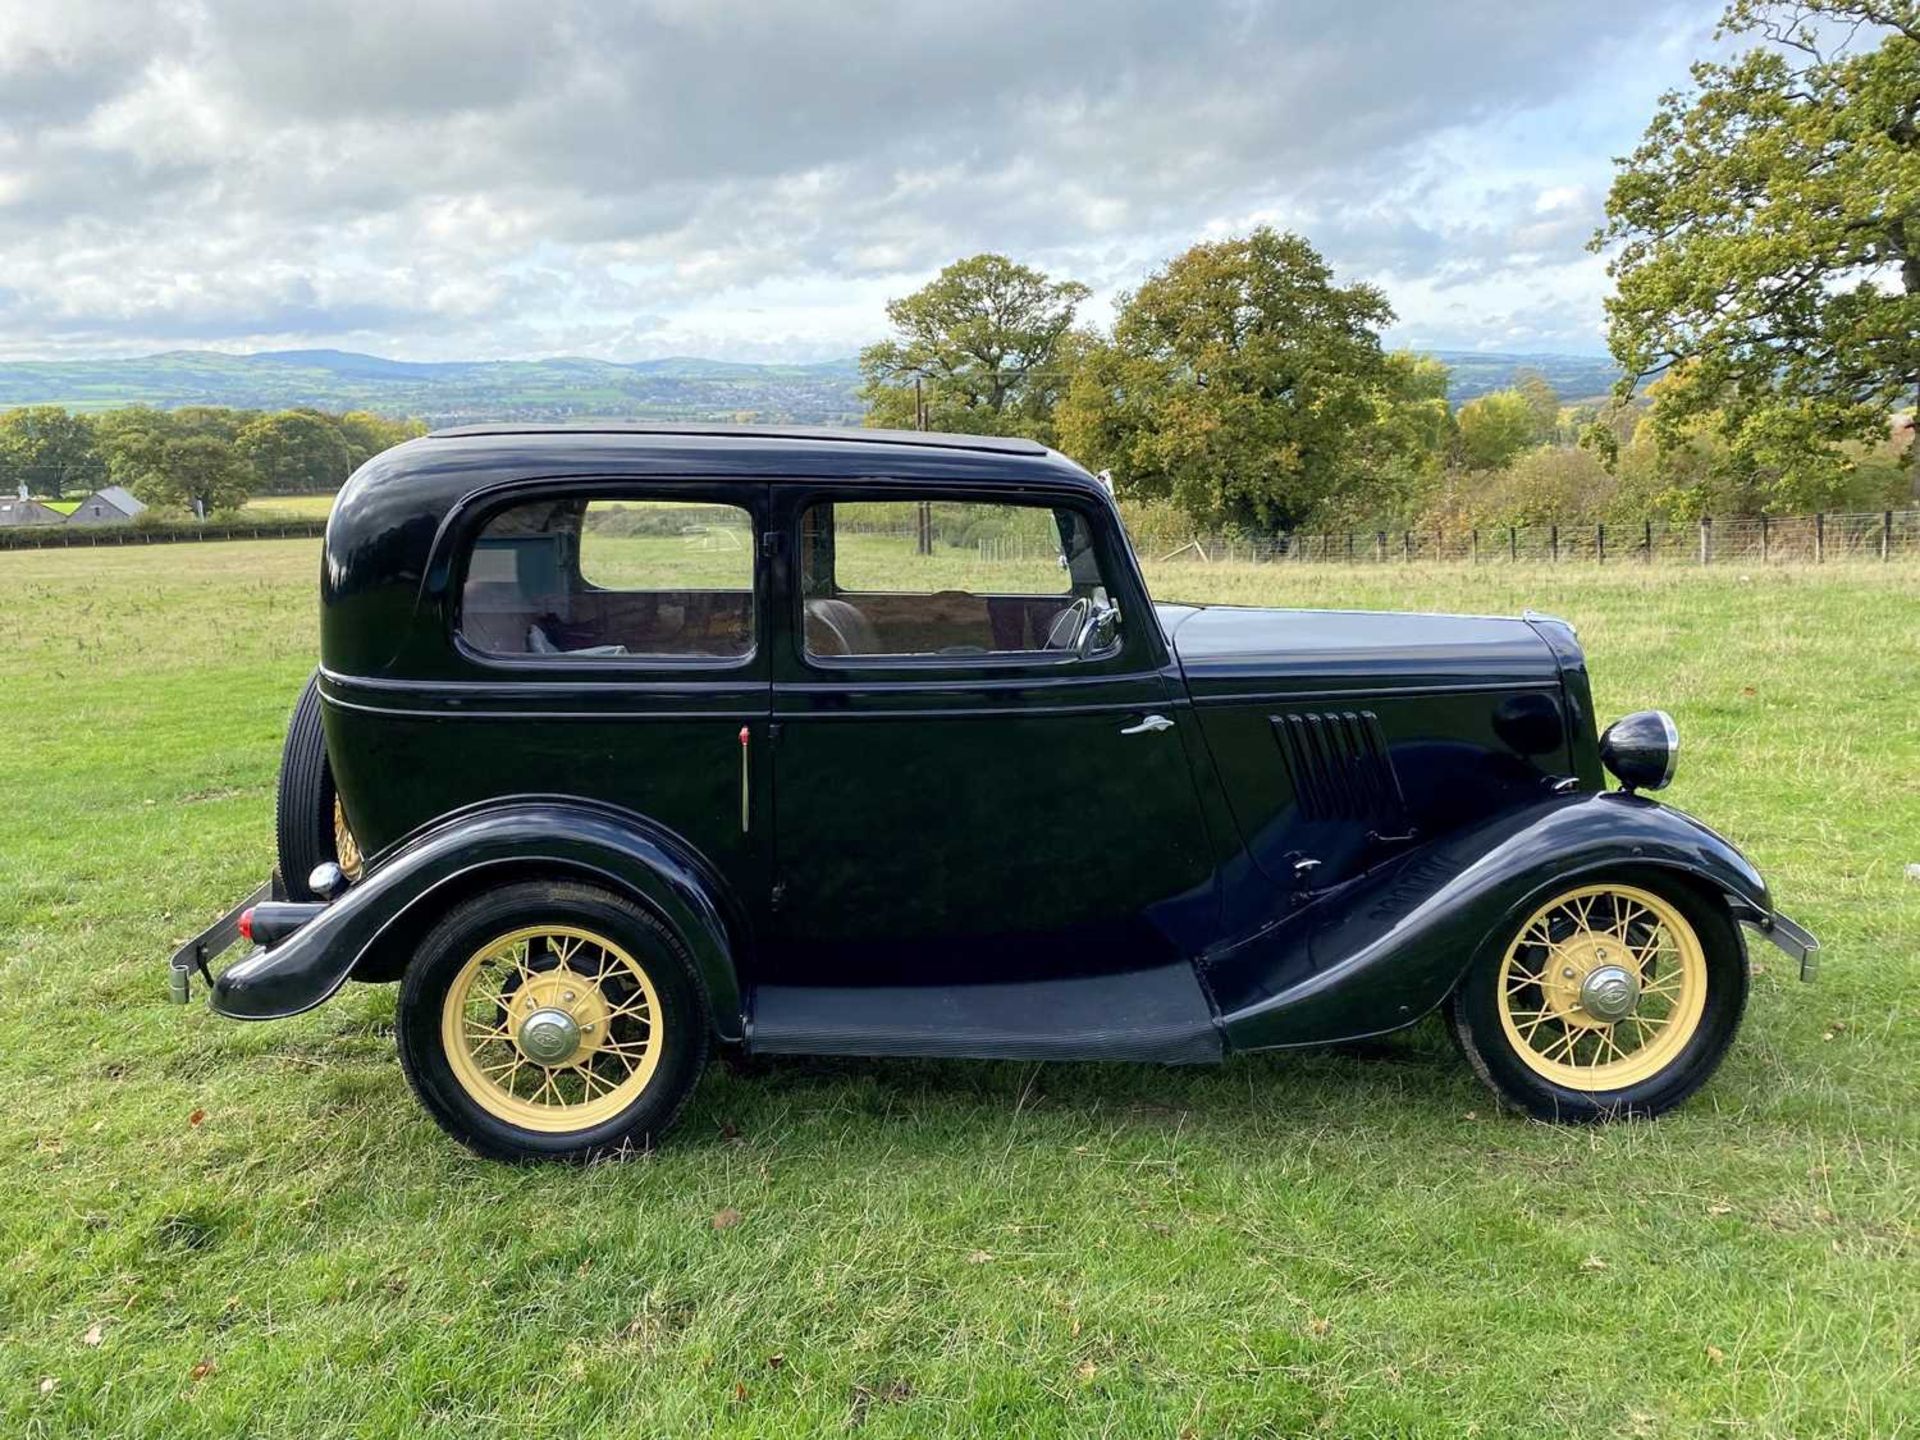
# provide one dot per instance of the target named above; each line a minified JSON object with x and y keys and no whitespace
{"x":1795,"y":940}
{"x":199,"y":953}
{"x":274,"y":919}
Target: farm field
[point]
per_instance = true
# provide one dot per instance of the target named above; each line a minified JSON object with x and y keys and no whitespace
{"x":214,"y":1228}
{"x":291,"y":507}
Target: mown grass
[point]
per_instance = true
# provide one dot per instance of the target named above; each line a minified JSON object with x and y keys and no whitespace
{"x":265,"y":1236}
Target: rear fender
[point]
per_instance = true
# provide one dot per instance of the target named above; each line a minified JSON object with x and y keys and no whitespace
{"x":471,"y":851}
{"x":1379,"y":953}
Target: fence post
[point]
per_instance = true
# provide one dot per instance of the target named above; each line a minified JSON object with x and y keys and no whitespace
{"x":1600,"y":543}
{"x":1706,"y":539}
{"x":1406,"y":547}
{"x":1380,"y":546}
{"x":1647,"y":542}
{"x":1476,"y":544}
{"x":1766,"y":540}
{"x":1513,"y":545}
{"x":1819,"y":536}
{"x":1349,"y":547}
{"x":1553,"y":542}
{"x":1886,"y":534}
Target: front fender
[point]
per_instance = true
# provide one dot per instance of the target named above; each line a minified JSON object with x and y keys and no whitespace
{"x":625,"y":852}
{"x":1387,"y":948}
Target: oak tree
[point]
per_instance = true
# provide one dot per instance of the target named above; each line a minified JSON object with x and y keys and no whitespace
{"x":1765,"y":241}
{"x":1240,"y":382}
{"x":49,"y":451}
{"x":986,"y":340}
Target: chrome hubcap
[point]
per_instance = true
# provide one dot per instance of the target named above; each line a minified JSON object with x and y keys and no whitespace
{"x":1609,"y":992}
{"x":549,"y":1036}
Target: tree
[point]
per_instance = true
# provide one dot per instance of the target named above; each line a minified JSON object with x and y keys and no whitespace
{"x":1239,"y":382}
{"x":985,"y":339}
{"x":1495,"y":427}
{"x":130,"y":441}
{"x":368,"y":434}
{"x":1768,"y":234}
{"x":295,"y":452}
{"x":49,"y":451}
{"x":176,"y":458}
{"x":200,"y":473}
{"x":1542,"y":399}
{"x":1401,"y":457}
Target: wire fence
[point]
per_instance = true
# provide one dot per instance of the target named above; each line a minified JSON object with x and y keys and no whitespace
{"x":1882,"y":535}
{"x":1745,"y":540}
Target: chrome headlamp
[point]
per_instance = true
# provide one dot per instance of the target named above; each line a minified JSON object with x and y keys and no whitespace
{"x":1642,"y":749}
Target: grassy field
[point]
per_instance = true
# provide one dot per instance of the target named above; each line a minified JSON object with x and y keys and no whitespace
{"x":292,"y":507}
{"x":216,"y":1228}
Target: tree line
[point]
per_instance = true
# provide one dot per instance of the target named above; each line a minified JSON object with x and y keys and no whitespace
{"x":198,"y":459}
{"x":1764,"y":241}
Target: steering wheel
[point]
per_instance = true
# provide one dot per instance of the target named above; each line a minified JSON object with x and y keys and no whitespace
{"x":1069,"y":625}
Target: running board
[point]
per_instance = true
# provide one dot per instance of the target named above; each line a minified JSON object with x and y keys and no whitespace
{"x":1152,"y":1015}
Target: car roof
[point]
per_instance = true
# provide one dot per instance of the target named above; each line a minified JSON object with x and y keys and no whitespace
{"x":844,"y":435}
{"x":388,"y":521}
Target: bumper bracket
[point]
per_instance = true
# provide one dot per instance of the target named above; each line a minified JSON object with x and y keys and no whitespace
{"x":1795,"y":940}
{"x":199,"y":952}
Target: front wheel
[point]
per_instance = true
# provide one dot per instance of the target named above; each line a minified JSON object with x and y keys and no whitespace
{"x":552,"y":1021}
{"x":1611,"y":999}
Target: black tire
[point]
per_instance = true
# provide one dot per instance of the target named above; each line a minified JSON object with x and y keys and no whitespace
{"x":303,"y":800}
{"x":684,"y":1022}
{"x":1473,"y":1015}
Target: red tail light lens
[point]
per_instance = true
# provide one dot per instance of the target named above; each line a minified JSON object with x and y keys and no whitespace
{"x":246,"y":925}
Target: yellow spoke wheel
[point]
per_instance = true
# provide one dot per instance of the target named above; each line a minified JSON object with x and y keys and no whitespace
{"x":346,"y":850}
{"x":1603,"y":988}
{"x":554,"y":1028}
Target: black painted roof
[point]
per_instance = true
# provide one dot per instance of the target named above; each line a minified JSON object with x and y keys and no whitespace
{"x":931,"y":439}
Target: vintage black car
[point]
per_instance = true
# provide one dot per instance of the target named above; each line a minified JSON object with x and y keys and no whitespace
{"x":631,"y":742}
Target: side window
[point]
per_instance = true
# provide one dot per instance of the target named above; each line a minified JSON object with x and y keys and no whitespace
{"x":581,"y":579}
{"x":946,"y":578}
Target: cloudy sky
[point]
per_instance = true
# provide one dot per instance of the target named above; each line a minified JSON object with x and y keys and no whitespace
{"x":437,"y":179}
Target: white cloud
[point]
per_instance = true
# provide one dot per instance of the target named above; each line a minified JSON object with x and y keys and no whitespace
{"x":438,"y":178}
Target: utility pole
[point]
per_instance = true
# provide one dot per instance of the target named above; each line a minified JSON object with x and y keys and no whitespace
{"x":923,"y":537}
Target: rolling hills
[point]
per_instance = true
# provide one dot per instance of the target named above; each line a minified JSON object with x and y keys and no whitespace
{"x":462,"y":391}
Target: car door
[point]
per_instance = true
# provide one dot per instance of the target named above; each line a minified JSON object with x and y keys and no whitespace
{"x":958,"y":794}
{"x":608,"y":644}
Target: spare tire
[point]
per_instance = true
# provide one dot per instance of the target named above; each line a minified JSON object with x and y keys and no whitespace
{"x":309,"y":825}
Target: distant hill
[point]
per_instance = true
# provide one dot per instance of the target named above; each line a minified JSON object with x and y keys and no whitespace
{"x":448,"y":392}
{"x":1576,"y":377}
{"x":463,"y":391}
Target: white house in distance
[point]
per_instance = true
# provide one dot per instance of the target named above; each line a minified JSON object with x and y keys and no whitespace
{"x":114,"y":505}
{"x":23,"y":510}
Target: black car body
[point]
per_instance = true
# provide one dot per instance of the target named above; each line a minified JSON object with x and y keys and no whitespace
{"x":1068,"y":824}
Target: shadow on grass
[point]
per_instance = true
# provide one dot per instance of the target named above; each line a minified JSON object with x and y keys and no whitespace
{"x":1394,"y":1085}
{"x":1411,"y":1077}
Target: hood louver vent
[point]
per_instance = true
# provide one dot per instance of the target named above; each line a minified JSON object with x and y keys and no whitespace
{"x":1339,"y":766}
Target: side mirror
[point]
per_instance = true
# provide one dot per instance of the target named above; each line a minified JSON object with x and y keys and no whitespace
{"x":1103,"y":627}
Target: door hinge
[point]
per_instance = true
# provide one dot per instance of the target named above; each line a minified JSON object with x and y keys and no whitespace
{"x":770,"y":543}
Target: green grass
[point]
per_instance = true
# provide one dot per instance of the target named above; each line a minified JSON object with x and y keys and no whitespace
{"x":1324,"y":1243}
{"x":293,"y":507}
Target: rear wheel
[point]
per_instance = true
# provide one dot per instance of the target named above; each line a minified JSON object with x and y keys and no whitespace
{"x":1611,"y":999}
{"x":310,"y":825}
{"x":552,"y":1021}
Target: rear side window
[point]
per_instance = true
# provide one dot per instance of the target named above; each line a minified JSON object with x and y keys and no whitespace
{"x":952,"y":578}
{"x":585,"y":580}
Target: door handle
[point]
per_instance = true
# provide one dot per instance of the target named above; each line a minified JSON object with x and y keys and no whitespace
{"x":1151,"y":725}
